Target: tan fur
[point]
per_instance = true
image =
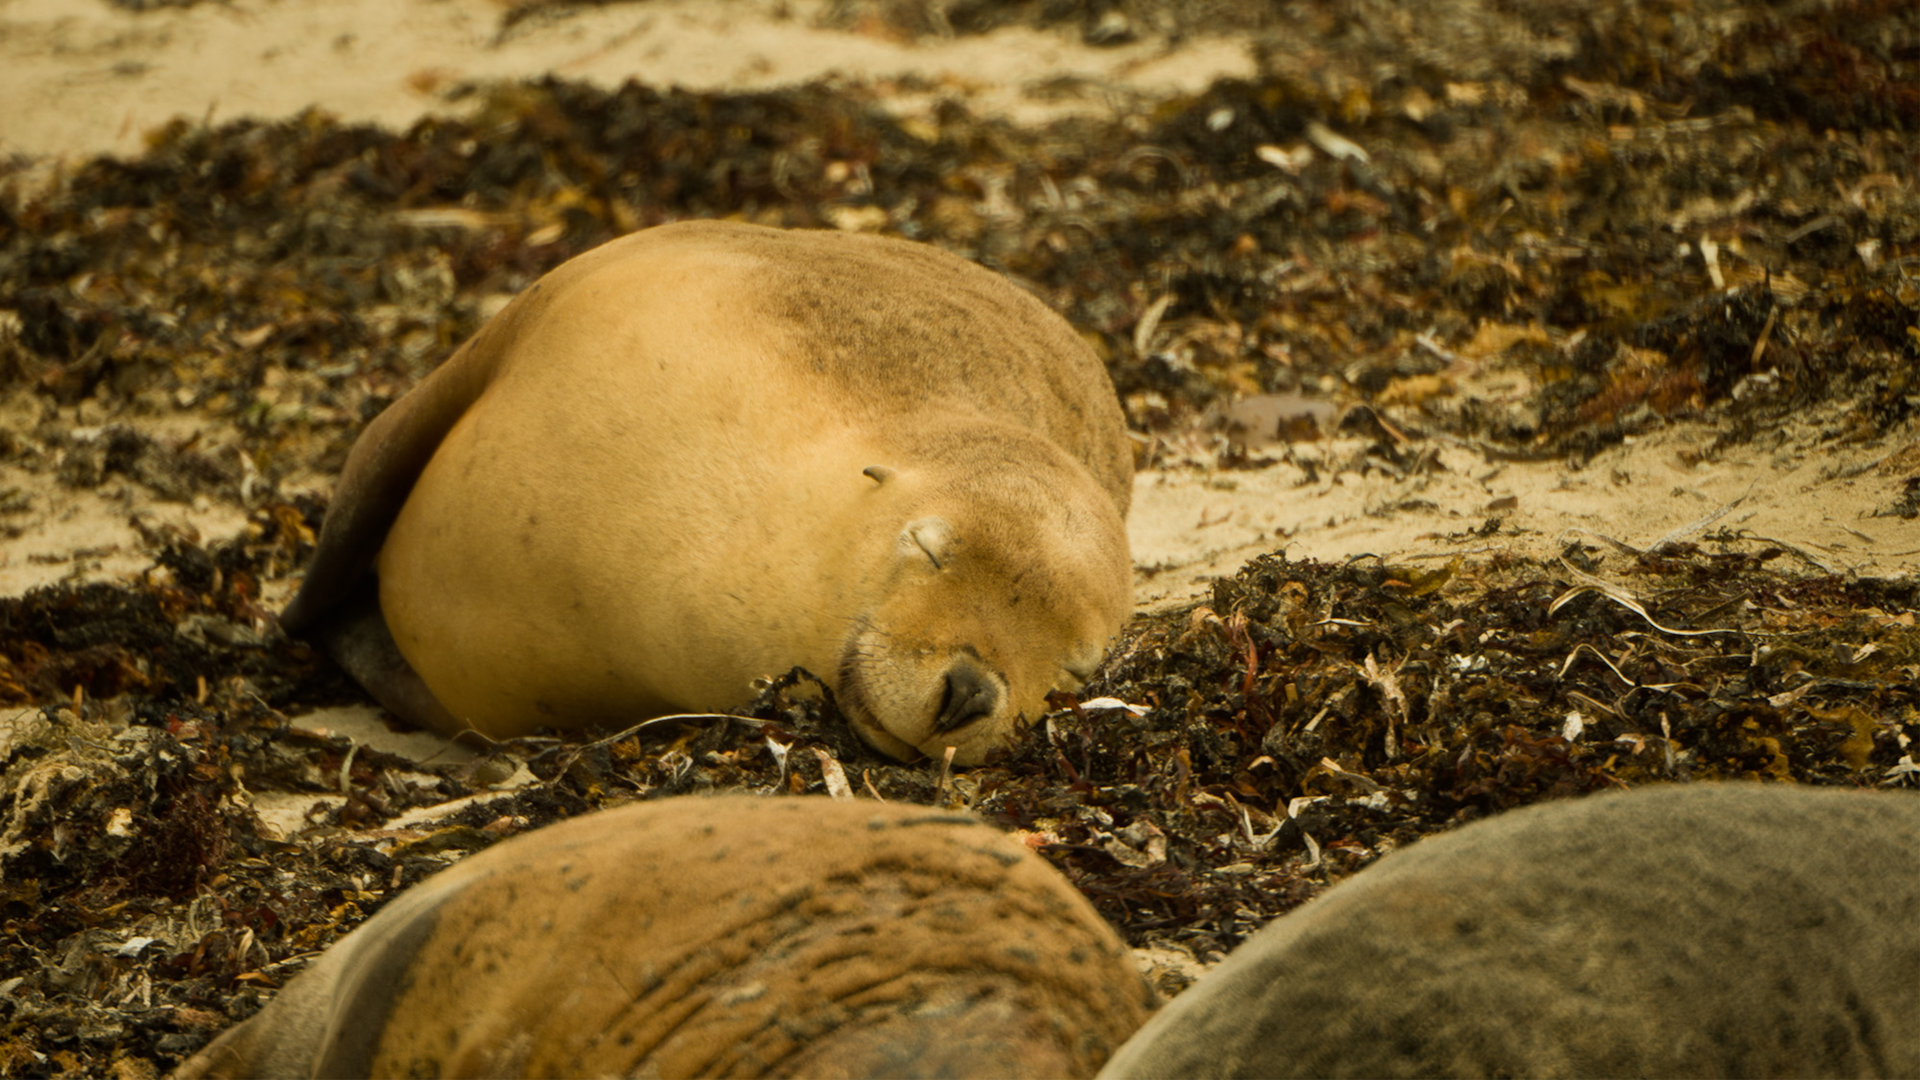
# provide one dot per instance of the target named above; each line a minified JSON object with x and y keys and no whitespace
{"x":1697,"y":930}
{"x":733,"y":936}
{"x":650,"y":485}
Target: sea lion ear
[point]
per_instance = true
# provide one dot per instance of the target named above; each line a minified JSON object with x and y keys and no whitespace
{"x":931,"y":537}
{"x":879,"y":474}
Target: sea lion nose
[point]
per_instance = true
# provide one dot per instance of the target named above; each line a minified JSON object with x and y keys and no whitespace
{"x":970,"y":694}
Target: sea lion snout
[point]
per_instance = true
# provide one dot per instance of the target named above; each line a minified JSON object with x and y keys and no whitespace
{"x":971,"y":693}
{"x":913,"y":698}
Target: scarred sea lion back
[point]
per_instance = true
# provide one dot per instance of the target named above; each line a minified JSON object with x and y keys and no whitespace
{"x":734,"y":936}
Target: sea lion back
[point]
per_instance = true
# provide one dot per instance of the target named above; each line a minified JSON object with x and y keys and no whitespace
{"x":715,"y":936}
{"x":1689,"y":930}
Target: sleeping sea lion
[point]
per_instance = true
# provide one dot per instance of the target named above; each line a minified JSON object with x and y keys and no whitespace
{"x":706,"y":453}
{"x":730,"y":936}
{"x":1688,"y":930}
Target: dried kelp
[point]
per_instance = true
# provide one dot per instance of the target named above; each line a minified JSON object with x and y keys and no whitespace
{"x":1636,"y":212}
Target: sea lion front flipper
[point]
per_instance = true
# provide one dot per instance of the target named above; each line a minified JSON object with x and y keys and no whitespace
{"x":386,"y":460}
{"x":338,"y":604}
{"x":355,"y":634}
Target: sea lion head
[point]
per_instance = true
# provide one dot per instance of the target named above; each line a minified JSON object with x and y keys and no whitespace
{"x":993,"y":592}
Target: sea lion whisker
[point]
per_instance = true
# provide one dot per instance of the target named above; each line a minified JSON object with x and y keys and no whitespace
{"x":636,"y":729}
{"x":863,"y":625}
{"x":558,"y":746}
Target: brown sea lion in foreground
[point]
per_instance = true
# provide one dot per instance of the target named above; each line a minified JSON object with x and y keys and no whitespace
{"x":706,"y":453}
{"x":1689,"y":930}
{"x":731,"y":936}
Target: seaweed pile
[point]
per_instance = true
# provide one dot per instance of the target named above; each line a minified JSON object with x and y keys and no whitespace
{"x":1648,"y":211}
